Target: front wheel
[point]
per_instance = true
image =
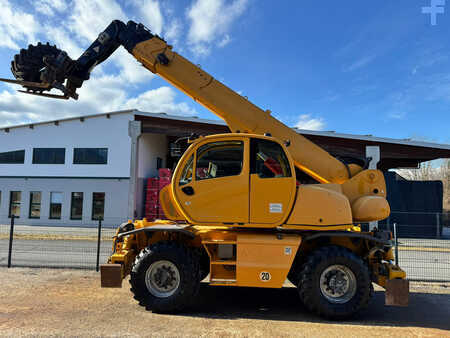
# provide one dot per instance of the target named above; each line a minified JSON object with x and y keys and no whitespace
{"x":165,"y":277}
{"x":334,"y":283}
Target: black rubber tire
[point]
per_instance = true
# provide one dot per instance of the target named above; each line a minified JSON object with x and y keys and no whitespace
{"x":309,"y":285}
{"x":187,"y":263}
{"x":27,"y":64}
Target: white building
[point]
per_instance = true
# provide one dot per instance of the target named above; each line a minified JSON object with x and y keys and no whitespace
{"x":73,"y":171}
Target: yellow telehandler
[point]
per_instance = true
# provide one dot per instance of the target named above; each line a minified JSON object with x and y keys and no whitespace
{"x":236,"y":210}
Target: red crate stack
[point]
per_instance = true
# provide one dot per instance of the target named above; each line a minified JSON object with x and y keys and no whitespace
{"x":163,"y":181}
{"x":151,"y":199}
{"x":165,"y":172}
{"x":153,"y":207}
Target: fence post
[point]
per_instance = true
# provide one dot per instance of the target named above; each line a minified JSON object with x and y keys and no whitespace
{"x":396,"y":243}
{"x":11,"y":235}
{"x":98,"y":243}
{"x":438,"y":221}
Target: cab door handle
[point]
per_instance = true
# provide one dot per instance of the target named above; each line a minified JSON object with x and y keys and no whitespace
{"x":188,"y":190}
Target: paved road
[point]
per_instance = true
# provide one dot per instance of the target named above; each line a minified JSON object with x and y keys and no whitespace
{"x":419,"y":265}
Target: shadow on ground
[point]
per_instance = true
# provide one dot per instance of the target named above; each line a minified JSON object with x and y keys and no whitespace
{"x":425,"y":310}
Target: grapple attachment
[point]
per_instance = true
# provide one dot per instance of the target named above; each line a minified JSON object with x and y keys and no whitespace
{"x":41,"y":68}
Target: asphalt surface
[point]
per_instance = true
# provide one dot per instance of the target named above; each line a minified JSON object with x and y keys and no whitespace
{"x":418,"y":264}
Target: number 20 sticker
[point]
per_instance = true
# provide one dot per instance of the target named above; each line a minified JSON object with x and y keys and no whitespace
{"x":265,"y":276}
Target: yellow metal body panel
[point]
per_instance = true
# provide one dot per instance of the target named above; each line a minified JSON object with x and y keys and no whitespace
{"x":264,"y":260}
{"x":317,"y":205}
{"x":367,"y":195}
{"x":220,"y":200}
{"x":168,"y":204}
{"x":366,"y":183}
{"x":271,"y":199}
{"x":370,"y":208}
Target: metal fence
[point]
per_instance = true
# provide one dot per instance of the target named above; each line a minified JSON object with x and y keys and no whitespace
{"x":55,"y":246}
{"x":423,"y":246}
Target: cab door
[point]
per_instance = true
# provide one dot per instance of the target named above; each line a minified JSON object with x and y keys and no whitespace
{"x":214,"y":187}
{"x":272,"y":182}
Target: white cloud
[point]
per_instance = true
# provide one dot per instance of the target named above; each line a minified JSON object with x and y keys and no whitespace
{"x":16,"y":26}
{"x":210,"y":20}
{"x":307,"y":122}
{"x":100,"y":94}
{"x":90,"y":17}
{"x":160,"y":100}
{"x":173,"y":32}
{"x":225,"y":41}
{"x":131,"y":71}
{"x":49,"y":7}
{"x":63,"y":41}
{"x":150,"y":15}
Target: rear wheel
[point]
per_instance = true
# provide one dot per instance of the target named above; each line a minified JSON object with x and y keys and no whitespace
{"x":165,"y":277}
{"x":334,"y":283}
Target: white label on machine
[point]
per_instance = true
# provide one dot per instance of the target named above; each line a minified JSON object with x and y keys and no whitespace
{"x":265,"y":276}
{"x":287,"y":250}
{"x":276,"y":208}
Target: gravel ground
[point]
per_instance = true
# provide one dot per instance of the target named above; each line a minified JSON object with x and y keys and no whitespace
{"x":53,"y":302}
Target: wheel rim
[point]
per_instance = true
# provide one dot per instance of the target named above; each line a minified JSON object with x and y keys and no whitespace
{"x":338,"y":284}
{"x":162,"y":279}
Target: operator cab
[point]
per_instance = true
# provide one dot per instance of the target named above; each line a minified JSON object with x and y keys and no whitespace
{"x":235,"y":179}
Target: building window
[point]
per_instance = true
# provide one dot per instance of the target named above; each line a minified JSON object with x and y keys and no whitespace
{"x":14,"y":203}
{"x":49,"y":155}
{"x":76,"y":206}
{"x":98,"y":205}
{"x":12,"y":157}
{"x":35,"y":204}
{"x":55,"y":205}
{"x":90,"y":156}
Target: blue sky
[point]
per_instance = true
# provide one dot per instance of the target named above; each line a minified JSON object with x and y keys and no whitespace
{"x":361,"y":67}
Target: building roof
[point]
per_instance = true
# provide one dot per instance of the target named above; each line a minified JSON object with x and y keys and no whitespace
{"x":395,"y":152}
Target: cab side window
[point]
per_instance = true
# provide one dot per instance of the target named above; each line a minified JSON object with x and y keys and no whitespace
{"x":268,"y":159}
{"x":219,"y":159}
